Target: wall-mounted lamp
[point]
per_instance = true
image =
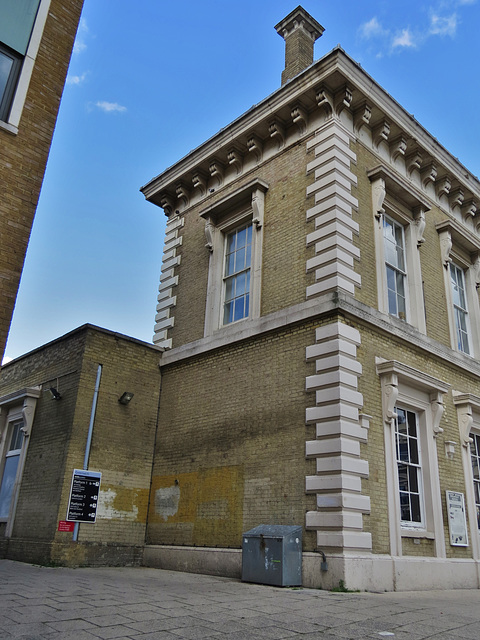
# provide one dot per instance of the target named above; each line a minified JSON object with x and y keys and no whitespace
{"x":125,"y":397}
{"x":450,"y":449}
{"x":56,"y":395}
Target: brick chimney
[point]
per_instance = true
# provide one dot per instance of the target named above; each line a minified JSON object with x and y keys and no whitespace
{"x":300,"y":31}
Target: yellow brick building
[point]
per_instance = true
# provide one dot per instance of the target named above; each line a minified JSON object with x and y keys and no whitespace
{"x":319,"y":314}
{"x":36,"y":40}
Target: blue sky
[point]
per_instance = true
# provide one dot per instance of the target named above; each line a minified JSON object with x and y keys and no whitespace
{"x":151,"y":80}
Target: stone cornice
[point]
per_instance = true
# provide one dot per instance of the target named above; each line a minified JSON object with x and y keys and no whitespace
{"x":338,"y":76}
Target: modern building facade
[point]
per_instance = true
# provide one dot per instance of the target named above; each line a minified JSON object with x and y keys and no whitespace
{"x":36,"y":40}
{"x":319,"y":311}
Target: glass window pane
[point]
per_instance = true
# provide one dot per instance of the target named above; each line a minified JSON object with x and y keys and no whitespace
{"x":247,"y":305}
{"x":405,"y":507}
{"x":229,"y":289}
{"x":239,"y":309}
{"x":403,"y":477}
{"x":241,"y":238}
{"x":415,"y":506}
{"x":240,"y":260}
{"x":240,"y":281}
{"x":403,"y":449}
{"x":8,"y":480}
{"x":228,"y":313}
{"x":230,"y":264}
{"x":6,"y":65}
{"x":413,"y":479}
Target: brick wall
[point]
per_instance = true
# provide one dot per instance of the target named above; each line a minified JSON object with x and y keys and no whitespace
{"x":122,"y":446}
{"x":24,"y":155}
{"x":230,"y":451}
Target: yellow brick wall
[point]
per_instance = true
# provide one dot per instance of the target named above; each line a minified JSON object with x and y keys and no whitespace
{"x":24,"y":156}
{"x":230,"y":450}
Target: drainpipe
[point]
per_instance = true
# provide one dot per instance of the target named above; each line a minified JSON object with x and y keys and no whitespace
{"x":89,"y":436}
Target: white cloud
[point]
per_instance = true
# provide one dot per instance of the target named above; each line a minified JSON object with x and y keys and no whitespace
{"x":403,"y":39}
{"x":443,"y":26}
{"x":6,"y":359}
{"x":371,"y":29}
{"x":76,"y":79}
{"x":110,"y":107}
{"x":79,"y":44}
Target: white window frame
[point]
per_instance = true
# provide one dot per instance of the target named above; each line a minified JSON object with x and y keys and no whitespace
{"x":241,"y":207}
{"x":413,"y":390}
{"x":395,"y":268}
{"x":461,"y":335}
{"x":399,"y":201}
{"x":462,"y":248}
{"x":468,"y":416}
{"x":12,"y":122}
{"x":235,"y":275}
{"x":14,"y":407}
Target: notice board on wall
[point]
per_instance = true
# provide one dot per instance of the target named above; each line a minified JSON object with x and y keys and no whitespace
{"x":82,"y":505}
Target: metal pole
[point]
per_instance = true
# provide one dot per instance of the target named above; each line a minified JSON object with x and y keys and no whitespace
{"x":89,"y":436}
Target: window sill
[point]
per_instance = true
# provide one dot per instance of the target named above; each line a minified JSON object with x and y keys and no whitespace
{"x":8,"y":127}
{"x":417,"y":533}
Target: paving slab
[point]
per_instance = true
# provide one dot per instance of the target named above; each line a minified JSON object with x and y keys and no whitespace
{"x":47,"y":603}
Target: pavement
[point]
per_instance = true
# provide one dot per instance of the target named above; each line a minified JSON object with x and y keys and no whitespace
{"x":38,"y":603}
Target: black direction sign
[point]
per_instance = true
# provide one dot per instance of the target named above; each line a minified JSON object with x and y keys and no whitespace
{"x":82,"y":506}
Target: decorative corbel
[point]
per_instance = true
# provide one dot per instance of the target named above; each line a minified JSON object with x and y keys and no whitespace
{"x":277,"y":132}
{"x":166,"y":203}
{"x":325,"y":101}
{"x":446,"y":247}
{"x":469,"y":209}
{"x":183,"y":193}
{"x":300,"y":118}
{"x":199,"y":181}
{"x":258,"y":206}
{"x":28,"y":411}
{"x":255,"y":146}
{"x":235,"y":158}
{"x":476,"y":270}
{"x":419,"y":224}
{"x":390,"y":395}
{"x":381,"y":133}
{"x":428,"y":174}
{"x":216,"y":170}
{"x":378,"y":196}
{"x":413,"y":162}
{"x":361,"y":117}
{"x":456,"y":198}
{"x":398,"y":147}
{"x":209,"y":231}
{"x":444,"y":186}
{"x":438,"y":409}
{"x":343,"y":99}
{"x":465,"y":423}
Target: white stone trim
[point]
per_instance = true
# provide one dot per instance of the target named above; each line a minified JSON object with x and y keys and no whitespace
{"x":339,"y":431}
{"x":422,"y":393}
{"x":18,"y":405}
{"x":164,"y":318}
{"x":245,"y":204}
{"x":468,"y":417}
{"x":332,"y":211}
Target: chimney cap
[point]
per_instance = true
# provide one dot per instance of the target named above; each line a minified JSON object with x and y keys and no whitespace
{"x":299,"y":18}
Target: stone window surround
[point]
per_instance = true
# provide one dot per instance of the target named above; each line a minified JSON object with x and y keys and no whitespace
{"x":14,"y":406}
{"x":468,"y":416}
{"x":395,"y":197}
{"x":20,"y":95}
{"x":247,"y":203}
{"x":460,"y":246}
{"x":422,"y":393}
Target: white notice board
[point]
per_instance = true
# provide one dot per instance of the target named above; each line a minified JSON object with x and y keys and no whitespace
{"x":457,"y":521}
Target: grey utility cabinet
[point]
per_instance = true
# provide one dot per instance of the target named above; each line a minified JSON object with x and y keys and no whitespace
{"x":272,"y":554}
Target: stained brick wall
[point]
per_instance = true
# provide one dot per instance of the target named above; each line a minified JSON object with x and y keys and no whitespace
{"x":24,"y":155}
{"x":122,"y":446}
{"x":230,"y":451}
